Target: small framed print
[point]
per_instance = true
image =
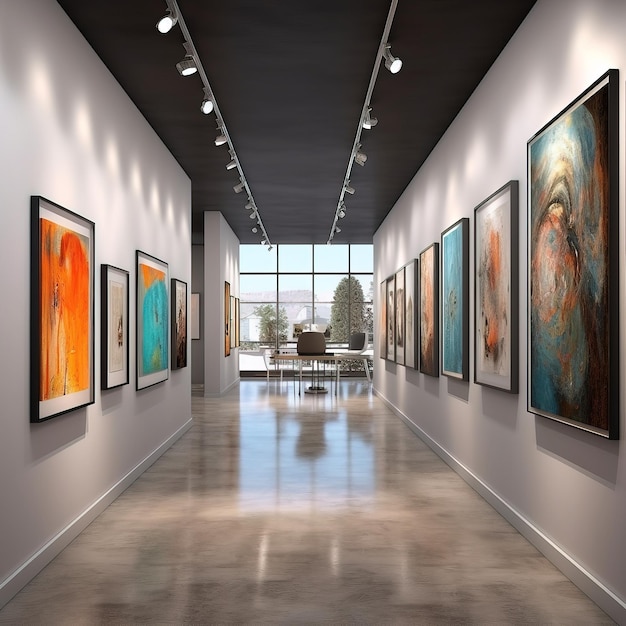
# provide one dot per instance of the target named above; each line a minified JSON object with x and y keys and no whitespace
{"x":410,"y":318}
{"x":179,"y":324}
{"x":391,"y":319}
{"x":152,"y":334}
{"x":114,"y":290}
{"x":62,"y":311}
{"x":429,"y":310}
{"x":399,"y":316}
{"x":226,"y":318}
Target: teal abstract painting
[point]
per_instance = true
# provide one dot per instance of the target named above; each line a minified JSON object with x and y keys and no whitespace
{"x":454,"y":300}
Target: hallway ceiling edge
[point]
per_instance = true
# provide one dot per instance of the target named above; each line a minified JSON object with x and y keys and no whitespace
{"x":290,"y":79}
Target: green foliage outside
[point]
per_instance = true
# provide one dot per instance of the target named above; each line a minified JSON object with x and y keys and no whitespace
{"x":348,"y":313}
{"x":269,"y":327}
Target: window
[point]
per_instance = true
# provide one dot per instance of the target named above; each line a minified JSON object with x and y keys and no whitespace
{"x":295,"y":288}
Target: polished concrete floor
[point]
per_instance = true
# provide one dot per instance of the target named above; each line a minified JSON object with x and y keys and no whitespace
{"x":276,"y":508}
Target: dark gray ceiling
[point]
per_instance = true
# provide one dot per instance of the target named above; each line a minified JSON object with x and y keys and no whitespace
{"x":290,"y":78}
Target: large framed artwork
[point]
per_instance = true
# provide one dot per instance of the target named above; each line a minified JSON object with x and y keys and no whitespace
{"x":410,"y":317}
{"x":152,"y":321}
{"x":455,"y":300}
{"x":496,"y":292}
{"x":573,"y":237}
{"x":114,"y":298}
{"x":62,"y":311}
{"x":391,"y":320}
{"x":178,"y":331}
{"x":429,"y":310}
{"x":399,"y":315}
{"x":382,"y":328}
{"x":226,"y":318}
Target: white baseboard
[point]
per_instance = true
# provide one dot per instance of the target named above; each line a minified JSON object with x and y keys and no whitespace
{"x":28,"y":570}
{"x":219,"y":394}
{"x":606,"y":599}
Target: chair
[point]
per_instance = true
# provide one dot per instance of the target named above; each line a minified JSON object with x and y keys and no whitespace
{"x":357,"y":342}
{"x":311,"y":343}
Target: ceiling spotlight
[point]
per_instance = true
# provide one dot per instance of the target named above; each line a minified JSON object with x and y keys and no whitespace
{"x":360,"y":157}
{"x":249,"y":206}
{"x":207,"y":104}
{"x":220,"y":140}
{"x":342,"y":212}
{"x":238,"y":188}
{"x":232,"y":164}
{"x":349,"y":189}
{"x":270,"y":248}
{"x":253,"y":215}
{"x":167,"y":22}
{"x":263,"y":242}
{"x":368,"y":121}
{"x":254,"y":229}
{"x":393,"y":64}
{"x":337,"y":229}
{"x":187,"y":66}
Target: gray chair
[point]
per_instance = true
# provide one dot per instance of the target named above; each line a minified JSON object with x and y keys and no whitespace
{"x":311,"y":343}
{"x":357,"y":342}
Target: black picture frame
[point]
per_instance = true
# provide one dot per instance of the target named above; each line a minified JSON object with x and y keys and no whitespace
{"x":62,"y":372}
{"x":410,"y":316}
{"x":496,"y":290}
{"x":114,"y":325}
{"x":151,"y":321}
{"x":455,"y":300}
{"x":573,"y":263}
{"x":429,"y":310}
{"x":179,"y":325}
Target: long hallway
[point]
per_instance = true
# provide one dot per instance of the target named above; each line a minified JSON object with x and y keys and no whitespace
{"x":277,"y":508}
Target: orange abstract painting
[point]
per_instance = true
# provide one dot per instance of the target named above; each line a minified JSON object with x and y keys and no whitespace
{"x":64,"y":311}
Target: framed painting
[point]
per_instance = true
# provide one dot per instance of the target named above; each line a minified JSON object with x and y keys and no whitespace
{"x":237,"y":324}
{"x":496,"y":291}
{"x":390,"y":299}
{"x":226,"y":318}
{"x":382,"y":318}
{"x":573,"y":256}
{"x":233,"y":338}
{"x":114,"y":299}
{"x":178,"y":332}
{"x":410,"y":318}
{"x":152,"y":321}
{"x":62,"y":311}
{"x":195,"y":316}
{"x":455,"y":300}
{"x":399,"y":316}
{"x":429,"y":310}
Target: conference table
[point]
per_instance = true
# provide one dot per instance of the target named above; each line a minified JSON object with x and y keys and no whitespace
{"x":332,"y":358}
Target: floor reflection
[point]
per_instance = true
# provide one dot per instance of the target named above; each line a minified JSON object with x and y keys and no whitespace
{"x":303,"y":456}
{"x":286,"y":509}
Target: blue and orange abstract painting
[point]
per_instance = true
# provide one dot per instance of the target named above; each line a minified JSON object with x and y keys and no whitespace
{"x":153,"y":309}
{"x":569,"y":266}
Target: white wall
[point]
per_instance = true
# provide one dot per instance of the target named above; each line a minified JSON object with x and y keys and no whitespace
{"x":566,"y":486}
{"x":221,"y":263}
{"x":70,"y":133}
{"x":197,"y":286}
